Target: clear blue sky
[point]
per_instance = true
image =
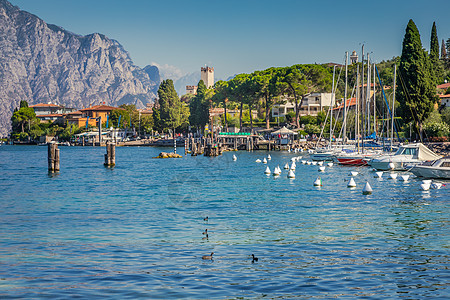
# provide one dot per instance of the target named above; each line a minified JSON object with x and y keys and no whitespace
{"x":243,"y":36}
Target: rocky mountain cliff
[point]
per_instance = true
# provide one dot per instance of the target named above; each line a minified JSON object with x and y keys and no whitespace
{"x":43,"y":63}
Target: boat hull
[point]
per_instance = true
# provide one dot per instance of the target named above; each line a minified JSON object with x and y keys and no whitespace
{"x":431,"y":172}
{"x":352,"y":161}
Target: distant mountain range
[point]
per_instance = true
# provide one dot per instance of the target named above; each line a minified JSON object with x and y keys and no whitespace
{"x":43,"y":63}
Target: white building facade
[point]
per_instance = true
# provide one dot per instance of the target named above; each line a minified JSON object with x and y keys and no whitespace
{"x":312,"y":104}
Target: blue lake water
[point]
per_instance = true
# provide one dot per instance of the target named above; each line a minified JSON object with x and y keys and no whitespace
{"x":135,"y":231}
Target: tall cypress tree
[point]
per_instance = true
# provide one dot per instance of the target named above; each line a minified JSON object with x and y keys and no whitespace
{"x":443,"y":50}
{"x":417,"y":92}
{"x":169,"y":105}
{"x":199,"y":107}
{"x":434,"y":44}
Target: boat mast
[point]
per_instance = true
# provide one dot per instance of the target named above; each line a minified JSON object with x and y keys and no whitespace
{"x":374,"y":104}
{"x":363,"y":123}
{"x":344,"y":136}
{"x":368,"y":95}
{"x":357,"y":109}
{"x":393,"y":106}
{"x":331,"y":105}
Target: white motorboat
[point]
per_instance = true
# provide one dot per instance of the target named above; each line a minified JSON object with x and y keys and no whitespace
{"x":405,"y":157}
{"x":437,"y":169}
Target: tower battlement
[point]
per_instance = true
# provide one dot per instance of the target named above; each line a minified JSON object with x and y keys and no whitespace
{"x":207,"y":75}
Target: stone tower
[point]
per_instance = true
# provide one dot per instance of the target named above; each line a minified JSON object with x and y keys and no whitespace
{"x":354,"y":58}
{"x":207,"y":75}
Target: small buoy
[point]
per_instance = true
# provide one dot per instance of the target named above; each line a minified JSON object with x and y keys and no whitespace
{"x":318,"y":182}
{"x":267,"y":171}
{"x":314,"y":163}
{"x":425,"y":186}
{"x":367,"y":190}
{"x":391,"y":165}
{"x":277,"y":171}
{"x":374,"y":170}
{"x":426,"y":181}
{"x":320,"y":163}
{"x":404,"y":177}
{"x":234,"y":157}
{"x":264,"y":160}
{"x":299,"y":157}
{"x":351,"y":183}
{"x":393,"y":175}
{"x":308,"y":162}
{"x":353,"y":173}
{"x":436,"y":185}
{"x":293,"y":166}
{"x":269,"y":157}
{"x":322,"y":169}
{"x":330,"y":164}
{"x":379,"y":174}
{"x":286,"y":166}
{"x":292,"y":159}
{"x":304,"y":162}
{"x":291,"y":174}
{"x":258,"y":160}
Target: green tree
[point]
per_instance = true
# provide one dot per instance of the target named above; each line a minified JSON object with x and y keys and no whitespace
{"x":170,"y":105}
{"x":221,"y":95}
{"x":199,"y":107}
{"x":434,"y":44}
{"x":294,"y":85}
{"x":157,"y":118}
{"x":119,"y":114}
{"x":23,"y":104}
{"x":25,"y":115}
{"x":443,"y":51}
{"x":237,"y":89}
{"x":447,"y":44}
{"x":418,"y":93}
{"x":146,"y":123}
{"x":267,"y":89}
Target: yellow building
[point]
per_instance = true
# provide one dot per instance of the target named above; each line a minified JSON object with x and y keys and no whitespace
{"x":90,"y":115}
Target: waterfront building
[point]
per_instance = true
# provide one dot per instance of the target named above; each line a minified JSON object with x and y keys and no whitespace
{"x":312,"y":104}
{"x":50,"y":112}
{"x":90,"y":115}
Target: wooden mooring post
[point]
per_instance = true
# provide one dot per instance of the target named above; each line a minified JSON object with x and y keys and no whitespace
{"x":110,"y":156}
{"x":53,"y":157}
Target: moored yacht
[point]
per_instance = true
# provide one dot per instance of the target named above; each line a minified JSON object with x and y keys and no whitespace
{"x":405,"y":157}
{"x":437,"y":169}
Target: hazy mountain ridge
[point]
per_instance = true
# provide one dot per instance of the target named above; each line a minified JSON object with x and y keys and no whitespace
{"x":42,"y":63}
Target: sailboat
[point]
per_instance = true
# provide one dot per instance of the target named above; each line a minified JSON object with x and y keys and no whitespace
{"x":360,"y":158}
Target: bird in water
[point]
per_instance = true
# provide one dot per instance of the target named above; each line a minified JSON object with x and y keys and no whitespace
{"x":254,"y":258}
{"x":205,"y":219}
{"x":205,"y":232}
{"x":208,"y":256}
{"x":205,"y":238}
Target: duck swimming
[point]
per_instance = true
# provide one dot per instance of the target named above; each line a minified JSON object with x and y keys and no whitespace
{"x":206,"y":231}
{"x":254,"y":258}
{"x":205,"y":219}
{"x":206,"y":237}
{"x":208,"y":256}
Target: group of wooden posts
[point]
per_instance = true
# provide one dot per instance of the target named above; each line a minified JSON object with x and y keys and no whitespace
{"x":215,"y":147}
{"x":53,"y":156}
